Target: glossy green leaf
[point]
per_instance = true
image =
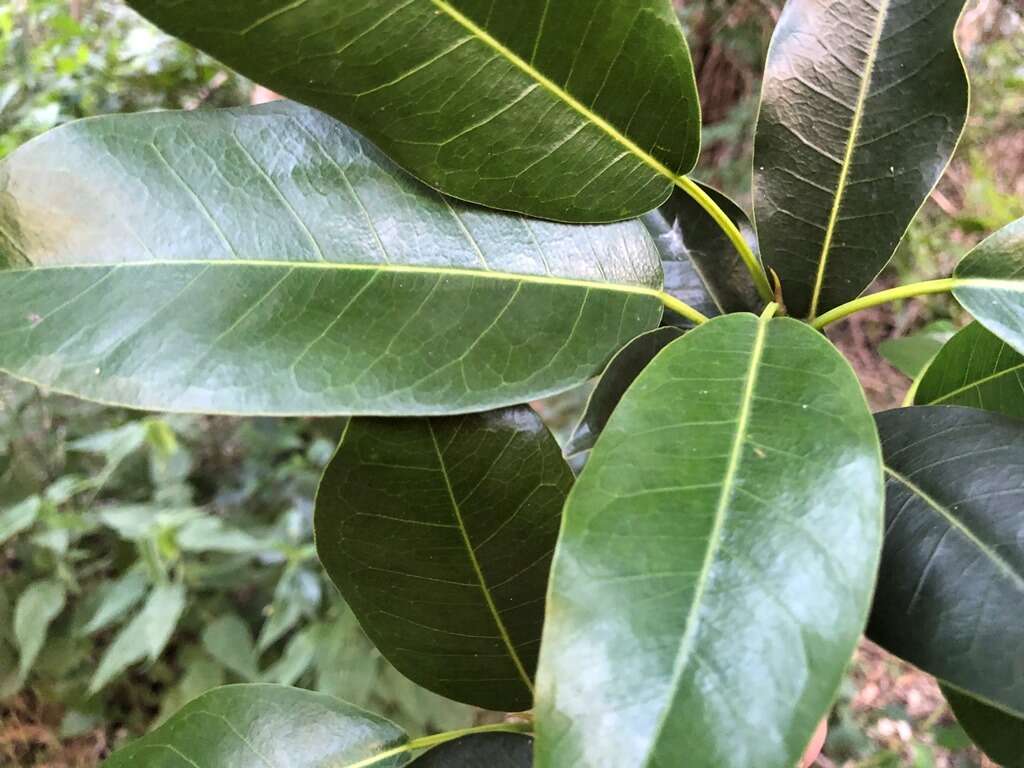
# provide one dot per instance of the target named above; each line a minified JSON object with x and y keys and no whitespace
{"x":576,"y":110}
{"x":37,"y":607}
{"x":241,"y":726}
{"x":862,"y":107}
{"x":439,"y":533}
{"x":268,"y":260}
{"x":910,"y":355}
{"x":483,"y":750}
{"x":990,"y":284}
{"x":999,"y":734}
{"x":951,"y":588}
{"x":616,"y":379}
{"x":702,"y":266}
{"x":717,"y":557}
{"x":975,"y":369}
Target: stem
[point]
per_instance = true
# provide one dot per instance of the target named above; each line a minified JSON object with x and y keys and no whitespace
{"x":426,"y":742}
{"x":728,"y":226}
{"x":682,"y":308}
{"x":893,"y":294}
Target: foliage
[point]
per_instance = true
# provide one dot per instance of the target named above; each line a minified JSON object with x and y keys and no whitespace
{"x":716,"y":558}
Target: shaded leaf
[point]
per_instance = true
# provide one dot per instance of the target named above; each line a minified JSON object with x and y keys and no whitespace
{"x":579,"y":110}
{"x":116,"y":599}
{"x":616,"y":379}
{"x":910,"y":355}
{"x":269,"y":261}
{"x":702,"y":266}
{"x":951,"y":587}
{"x":851,"y":138}
{"x":990,"y":284}
{"x":975,"y":369}
{"x":999,"y":734}
{"x":439,"y":535}
{"x":246,"y":725}
{"x":717,"y":557}
{"x":482,"y":750}
{"x":37,"y":607}
{"x":298,"y":656}
{"x":228,"y":640}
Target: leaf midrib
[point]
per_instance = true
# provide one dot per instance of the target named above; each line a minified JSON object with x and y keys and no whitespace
{"x":977,"y":383}
{"x":477,"y":570}
{"x":851,"y":146}
{"x":721,"y":512}
{"x":563,"y":282}
{"x":961,"y":527}
{"x":557,"y":91}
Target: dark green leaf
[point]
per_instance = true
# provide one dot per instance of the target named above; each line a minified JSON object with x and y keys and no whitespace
{"x":616,"y":379}
{"x":268,"y":260}
{"x":978,"y":370}
{"x":951,"y":588}
{"x":439,"y":533}
{"x":911,"y":354}
{"x":483,"y":750}
{"x":990,"y":284}
{"x":716,"y":562}
{"x":999,"y":734}
{"x":268,"y":725}
{"x":577,"y":110}
{"x":702,"y":266}
{"x":37,"y":607}
{"x":863,"y":104}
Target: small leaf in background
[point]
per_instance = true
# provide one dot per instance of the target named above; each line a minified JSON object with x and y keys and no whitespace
{"x":977,"y":369}
{"x":19,"y":518}
{"x":297,"y":594}
{"x":910,"y":355}
{"x":116,"y":598}
{"x":298,"y":656}
{"x":228,"y":640}
{"x":37,"y":607}
{"x":201,"y":675}
{"x":145,"y":636}
{"x":998,"y":733}
{"x":272,"y":725}
{"x":990,"y":284}
{"x":481,"y":750}
{"x":950,"y":593}
{"x":469,"y":507}
{"x":211,"y":534}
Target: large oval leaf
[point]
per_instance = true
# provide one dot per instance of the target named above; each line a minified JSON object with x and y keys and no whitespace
{"x":240,"y":726}
{"x":485,"y":750}
{"x":990,"y":284}
{"x":951,"y":590}
{"x":268,"y":260}
{"x":851,"y":138}
{"x":998,"y":733}
{"x":702,"y":266}
{"x":717,"y":557}
{"x":439,"y":534}
{"x":977,"y":369}
{"x":576,"y":110}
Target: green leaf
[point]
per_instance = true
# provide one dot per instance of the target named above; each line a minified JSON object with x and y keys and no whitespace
{"x":19,"y":518}
{"x":439,"y":534}
{"x":999,"y":734}
{"x":852,"y":137}
{"x":951,"y":587}
{"x":228,"y":640}
{"x":116,"y":599}
{"x":211,"y":534}
{"x":990,"y":284}
{"x":298,"y":656}
{"x":37,"y":607}
{"x":910,"y":355}
{"x":717,"y":557}
{"x":574,"y":110}
{"x":975,"y":369}
{"x":483,"y":750}
{"x":702,"y":266}
{"x":145,"y":636}
{"x":616,"y":379}
{"x":248,"y":725}
{"x":289,"y":268}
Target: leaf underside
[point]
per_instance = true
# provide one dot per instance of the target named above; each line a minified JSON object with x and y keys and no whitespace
{"x":576,"y":110}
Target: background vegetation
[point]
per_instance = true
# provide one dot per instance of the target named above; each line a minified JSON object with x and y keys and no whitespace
{"x":144,"y":559}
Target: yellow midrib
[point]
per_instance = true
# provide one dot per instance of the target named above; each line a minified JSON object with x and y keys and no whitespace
{"x":556,"y":90}
{"x":851,"y":144}
{"x":978,"y":383}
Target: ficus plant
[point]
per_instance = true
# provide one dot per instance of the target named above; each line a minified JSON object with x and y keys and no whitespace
{"x":471,"y":205}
